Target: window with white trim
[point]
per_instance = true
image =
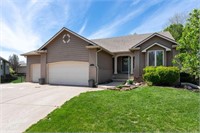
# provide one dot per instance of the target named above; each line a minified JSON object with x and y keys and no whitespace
{"x":155,"y":58}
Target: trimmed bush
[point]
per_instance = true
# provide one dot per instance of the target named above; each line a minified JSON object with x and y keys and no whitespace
{"x":149,"y":69}
{"x":161,"y":75}
{"x":151,"y":78}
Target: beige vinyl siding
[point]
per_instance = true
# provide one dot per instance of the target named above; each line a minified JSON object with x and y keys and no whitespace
{"x":34,"y":59}
{"x":158,"y":40}
{"x":105,"y":67}
{"x":43,"y":60}
{"x":169,"y":58}
{"x":75,"y":50}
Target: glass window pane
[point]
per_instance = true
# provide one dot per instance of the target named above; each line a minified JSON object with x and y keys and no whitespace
{"x":151,"y":58}
{"x":159,"y":58}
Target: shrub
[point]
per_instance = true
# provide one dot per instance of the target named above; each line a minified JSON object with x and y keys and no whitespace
{"x":130,"y":81}
{"x":149,"y":69}
{"x":8,"y":78}
{"x":119,"y":86}
{"x":151,"y":78}
{"x":185,"y":77}
{"x":161,"y":75}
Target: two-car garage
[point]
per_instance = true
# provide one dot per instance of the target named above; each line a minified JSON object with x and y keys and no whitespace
{"x":63,"y":60}
{"x":64,"y":73}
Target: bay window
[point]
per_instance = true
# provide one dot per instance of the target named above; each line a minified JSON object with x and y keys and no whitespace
{"x":155,"y":58}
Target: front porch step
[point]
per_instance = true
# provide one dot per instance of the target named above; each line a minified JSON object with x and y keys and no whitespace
{"x":118,"y":80}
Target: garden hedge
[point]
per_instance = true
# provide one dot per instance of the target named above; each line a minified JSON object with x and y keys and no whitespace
{"x":161,"y":75}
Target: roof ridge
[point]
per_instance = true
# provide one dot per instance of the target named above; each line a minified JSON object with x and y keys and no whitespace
{"x":130,"y":35}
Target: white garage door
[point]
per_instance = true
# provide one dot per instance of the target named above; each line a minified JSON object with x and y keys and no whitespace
{"x":69,"y":73}
{"x":35,"y":68}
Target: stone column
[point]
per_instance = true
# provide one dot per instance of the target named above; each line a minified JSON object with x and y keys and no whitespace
{"x":115,"y":67}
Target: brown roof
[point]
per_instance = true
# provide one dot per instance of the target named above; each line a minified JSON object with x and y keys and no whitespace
{"x":124,"y":43}
{"x":118,"y":44}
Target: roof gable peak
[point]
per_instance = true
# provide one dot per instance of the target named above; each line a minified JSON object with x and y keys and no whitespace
{"x":153,"y":35}
{"x":70,"y":31}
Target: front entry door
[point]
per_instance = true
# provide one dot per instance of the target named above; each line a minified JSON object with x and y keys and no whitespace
{"x":125,"y":64}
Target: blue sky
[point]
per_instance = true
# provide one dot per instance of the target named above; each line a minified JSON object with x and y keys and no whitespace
{"x":25,"y":25}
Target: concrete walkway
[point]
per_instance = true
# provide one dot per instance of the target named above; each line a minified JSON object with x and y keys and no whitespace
{"x":109,"y":85}
{"x":23,"y":104}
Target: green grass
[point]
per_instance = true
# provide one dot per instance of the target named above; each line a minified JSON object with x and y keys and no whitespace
{"x":19,"y":79}
{"x":145,"y":109}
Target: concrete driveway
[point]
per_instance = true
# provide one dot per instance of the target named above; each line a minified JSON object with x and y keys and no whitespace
{"x":23,"y":104}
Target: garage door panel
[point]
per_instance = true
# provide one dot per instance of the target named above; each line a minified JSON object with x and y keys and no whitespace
{"x":36,"y":72}
{"x":69,"y":73}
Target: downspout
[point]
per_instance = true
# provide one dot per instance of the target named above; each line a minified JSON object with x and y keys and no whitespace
{"x":97,"y":67}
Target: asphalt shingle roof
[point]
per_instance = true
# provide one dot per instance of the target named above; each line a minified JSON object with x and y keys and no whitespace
{"x":118,"y":44}
{"x":124,"y":43}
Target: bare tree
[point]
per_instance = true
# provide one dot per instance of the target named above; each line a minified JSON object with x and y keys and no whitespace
{"x":178,"y":18}
{"x":14,"y":61}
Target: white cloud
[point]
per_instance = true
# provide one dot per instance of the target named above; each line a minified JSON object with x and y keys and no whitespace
{"x":82,"y":28}
{"x":17,"y":35}
{"x":26,"y":26}
{"x":17,"y":27}
{"x":18,"y":39}
{"x":111,"y":28}
{"x":160,"y":17}
{"x":135,"y":2}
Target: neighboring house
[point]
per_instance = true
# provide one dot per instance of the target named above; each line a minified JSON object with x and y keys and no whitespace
{"x":22,"y":68}
{"x":70,"y":59}
{"x":4,"y":67}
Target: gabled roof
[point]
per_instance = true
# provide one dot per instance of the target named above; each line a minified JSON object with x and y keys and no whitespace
{"x":1,"y":58}
{"x":68,"y":30}
{"x":125,"y":43}
{"x":111,"y":45}
{"x":159,"y":35}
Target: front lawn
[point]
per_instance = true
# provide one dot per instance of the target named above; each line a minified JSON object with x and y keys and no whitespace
{"x":144,"y":109}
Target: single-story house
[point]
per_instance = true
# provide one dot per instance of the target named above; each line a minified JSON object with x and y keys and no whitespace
{"x":71,"y":59}
{"x":4,"y":67}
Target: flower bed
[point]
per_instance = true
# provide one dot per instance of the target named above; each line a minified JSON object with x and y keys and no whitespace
{"x":129,"y":85}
